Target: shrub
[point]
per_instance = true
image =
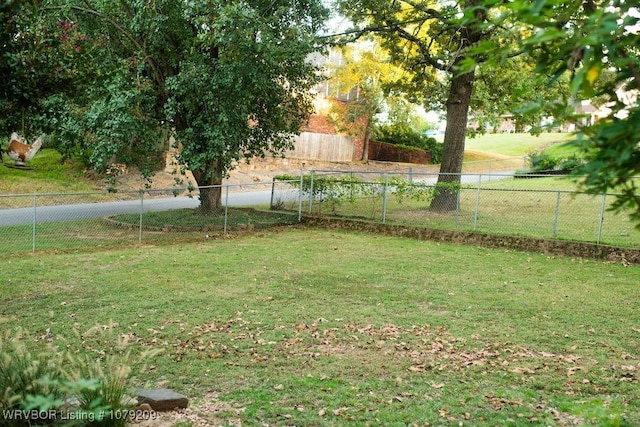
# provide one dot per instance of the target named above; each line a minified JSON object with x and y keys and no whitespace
{"x":328,"y":189}
{"x":337,"y":189}
{"x":541,"y":161}
{"x":571,"y":163}
{"x":51,"y":386}
{"x":409,"y":138}
{"x":24,"y":375}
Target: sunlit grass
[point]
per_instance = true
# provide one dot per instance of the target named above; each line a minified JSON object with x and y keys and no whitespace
{"x":513,"y":144}
{"x":550,"y":208}
{"x":562,"y":150}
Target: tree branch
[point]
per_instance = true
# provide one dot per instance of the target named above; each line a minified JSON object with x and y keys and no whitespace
{"x":89,"y":10}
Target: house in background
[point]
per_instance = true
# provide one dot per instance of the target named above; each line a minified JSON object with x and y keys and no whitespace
{"x":320,"y":139}
{"x":588,"y":112}
{"x":592,"y":114}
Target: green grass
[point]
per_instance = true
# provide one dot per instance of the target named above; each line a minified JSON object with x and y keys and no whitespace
{"x":513,"y":144}
{"x":315,"y":327}
{"x":562,"y":150}
{"x":47,"y":174}
{"x":65,"y":235}
{"x":193,"y":220}
{"x":539,"y":208}
{"x":123,"y":230}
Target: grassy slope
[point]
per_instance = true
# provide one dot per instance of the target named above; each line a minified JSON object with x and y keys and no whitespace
{"x":51,"y":176}
{"x":397,"y":334}
{"x":512,"y":145}
{"x":47,"y":175}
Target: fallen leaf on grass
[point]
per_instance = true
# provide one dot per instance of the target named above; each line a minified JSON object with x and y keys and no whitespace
{"x":519,"y":370}
{"x":340,"y":410}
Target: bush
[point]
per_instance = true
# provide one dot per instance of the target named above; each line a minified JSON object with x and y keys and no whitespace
{"x":571,"y":163}
{"x":541,"y":161}
{"x":328,"y":189}
{"x":23,"y":376}
{"x":53,"y":388}
{"x":408,"y":138}
{"x":337,"y":189}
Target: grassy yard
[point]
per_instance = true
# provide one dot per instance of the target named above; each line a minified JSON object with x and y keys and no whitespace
{"x":47,"y":174}
{"x":315,"y":327}
{"x":513,"y":144}
{"x":546,"y":208}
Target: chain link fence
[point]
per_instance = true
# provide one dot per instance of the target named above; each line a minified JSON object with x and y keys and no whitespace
{"x":64,"y":221}
{"x":492,"y":203}
{"x":539,"y":206}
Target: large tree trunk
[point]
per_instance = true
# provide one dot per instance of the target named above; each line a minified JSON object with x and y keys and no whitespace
{"x":457,"y":116}
{"x":210,"y":191}
{"x":454,"y":138}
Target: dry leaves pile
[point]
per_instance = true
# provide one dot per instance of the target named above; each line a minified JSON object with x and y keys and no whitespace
{"x":423,"y":347}
{"x":417,"y":349}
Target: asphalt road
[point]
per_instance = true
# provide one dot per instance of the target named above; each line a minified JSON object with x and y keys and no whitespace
{"x":56,"y":213}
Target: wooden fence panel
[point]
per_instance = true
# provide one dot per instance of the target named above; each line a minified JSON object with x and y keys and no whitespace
{"x":321,"y":146}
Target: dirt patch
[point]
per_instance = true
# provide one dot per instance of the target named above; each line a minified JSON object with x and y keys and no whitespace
{"x":262,"y":171}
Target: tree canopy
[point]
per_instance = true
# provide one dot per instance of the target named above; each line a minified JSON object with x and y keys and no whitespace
{"x":231,"y":80}
{"x":441,"y":45}
{"x":598,"y":45}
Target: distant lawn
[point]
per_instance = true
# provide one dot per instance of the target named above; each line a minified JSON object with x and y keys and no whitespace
{"x":513,"y":144}
{"x":562,"y":150}
{"x":316,"y":327}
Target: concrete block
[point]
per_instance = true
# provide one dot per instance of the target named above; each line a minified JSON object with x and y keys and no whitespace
{"x":162,"y":399}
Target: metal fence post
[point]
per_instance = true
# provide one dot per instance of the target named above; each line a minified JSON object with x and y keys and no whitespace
{"x":33,"y":229}
{"x":273,"y":189}
{"x":141,"y":212}
{"x":604,"y":199}
{"x":475,"y":215}
{"x":300,"y":193}
{"x":313,"y":173}
{"x":384,"y":198}
{"x":226,"y":208}
{"x":457,"y":220}
{"x":556,"y":216}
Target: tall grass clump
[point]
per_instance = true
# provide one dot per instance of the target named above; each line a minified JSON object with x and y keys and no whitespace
{"x":108,"y":399}
{"x":28,"y":381}
{"x":55,"y":387}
